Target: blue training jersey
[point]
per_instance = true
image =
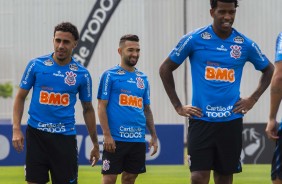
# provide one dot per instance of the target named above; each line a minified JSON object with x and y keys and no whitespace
{"x":127,"y":93}
{"x":216,"y":69}
{"x":278,"y":51}
{"x":54,"y":93}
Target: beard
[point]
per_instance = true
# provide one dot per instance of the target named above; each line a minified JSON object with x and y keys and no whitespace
{"x":131,"y":62}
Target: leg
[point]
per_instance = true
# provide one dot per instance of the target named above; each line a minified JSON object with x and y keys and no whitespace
{"x":128,"y":178}
{"x":36,"y":170}
{"x":63,"y":164}
{"x":200,"y":177}
{"x":109,"y":178}
{"x":222,"y":179}
{"x":276,"y":173}
{"x":201,"y":152}
{"x":277,"y":181}
{"x":112,"y":164}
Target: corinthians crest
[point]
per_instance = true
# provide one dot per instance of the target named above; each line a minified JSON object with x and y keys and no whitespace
{"x":235,"y":51}
{"x":70,"y":78}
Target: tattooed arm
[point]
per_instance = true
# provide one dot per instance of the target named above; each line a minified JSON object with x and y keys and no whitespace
{"x":151,"y":127}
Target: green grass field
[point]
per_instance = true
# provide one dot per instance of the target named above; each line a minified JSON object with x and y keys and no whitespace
{"x":252,"y":174}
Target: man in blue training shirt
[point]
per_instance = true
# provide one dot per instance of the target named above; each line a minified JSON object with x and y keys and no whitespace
{"x":56,"y":79}
{"x":124,"y":112}
{"x":217,"y":55}
{"x":273,"y":130}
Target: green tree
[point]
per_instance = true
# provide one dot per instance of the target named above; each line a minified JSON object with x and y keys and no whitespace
{"x":6,"y":90}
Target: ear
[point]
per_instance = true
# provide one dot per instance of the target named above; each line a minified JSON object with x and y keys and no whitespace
{"x":211,"y":12}
{"x":119,"y":50}
{"x":75,"y":44}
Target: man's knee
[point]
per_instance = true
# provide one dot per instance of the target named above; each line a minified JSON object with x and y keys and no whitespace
{"x":128,"y":178}
{"x":200,"y":177}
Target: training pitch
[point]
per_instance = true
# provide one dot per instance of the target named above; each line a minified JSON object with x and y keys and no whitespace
{"x":161,"y":174}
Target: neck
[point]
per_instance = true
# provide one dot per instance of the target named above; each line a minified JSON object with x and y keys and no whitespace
{"x":222,"y":34}
{"x":61,"y":62}
{"x":127,"y":68}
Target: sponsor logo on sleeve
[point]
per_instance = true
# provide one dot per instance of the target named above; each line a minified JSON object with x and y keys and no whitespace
{"x":106,"y":84}
{"x":179,"y":50}
{"x":258,"y":51}
{"x":88,"y":85}
{"x":28,"y":73}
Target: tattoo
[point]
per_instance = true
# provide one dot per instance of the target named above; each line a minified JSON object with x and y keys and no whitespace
{"x":149,"y":119}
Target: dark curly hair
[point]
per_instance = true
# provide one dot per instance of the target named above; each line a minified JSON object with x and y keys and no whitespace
{"x":128,"y":37}
{"x":214,"y":2}
{"x":67,"y":27}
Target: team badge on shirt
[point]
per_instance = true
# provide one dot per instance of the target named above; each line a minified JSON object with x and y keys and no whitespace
{"x":73,"y":67}
{"x":140,"y":83}
{"x":138,"y":73}
{"x":206,"y":35}
{"x":238,"y":39}
{"x":121,"y":72}
{"x":70,"y":78}
{"x":235,"y":51}
{"x":48,"y":62}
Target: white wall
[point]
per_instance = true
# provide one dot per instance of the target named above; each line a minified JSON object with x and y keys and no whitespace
{"x":26,"y":32}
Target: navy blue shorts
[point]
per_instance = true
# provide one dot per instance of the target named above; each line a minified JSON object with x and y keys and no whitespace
{"x":129,"y":157}
{"x":276,"y":169}
{"x":49,"y":152}
{"x":215,"y":146}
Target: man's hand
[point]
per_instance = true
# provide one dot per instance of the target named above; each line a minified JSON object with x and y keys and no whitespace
{"x":189,"y":111}
{"x":94,"y":155}
{"x":18,"y":140}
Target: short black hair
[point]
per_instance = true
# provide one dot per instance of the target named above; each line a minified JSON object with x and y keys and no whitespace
{"x":214,"y":2}
{"x":128,"y":37}
{"x":67,"y":27}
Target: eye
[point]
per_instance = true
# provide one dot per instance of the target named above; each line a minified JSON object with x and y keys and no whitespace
{"x":66,"y":41}
{"x":58,"y":40}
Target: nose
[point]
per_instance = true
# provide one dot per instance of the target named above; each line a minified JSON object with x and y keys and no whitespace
{"x":135,"y":53}
{"x":61,"y":45}
{"x":227,"y":16}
